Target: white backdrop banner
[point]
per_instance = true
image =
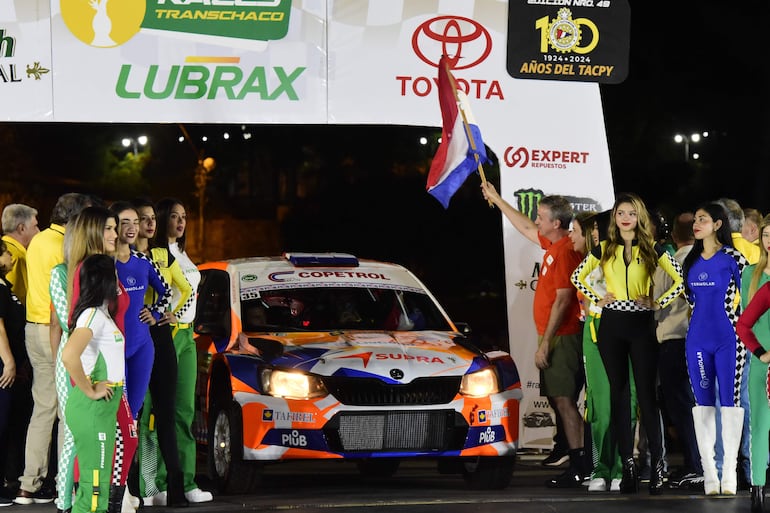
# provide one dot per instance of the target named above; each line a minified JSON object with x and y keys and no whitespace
{"x":25,"y":61}
{"x":317,"y":62}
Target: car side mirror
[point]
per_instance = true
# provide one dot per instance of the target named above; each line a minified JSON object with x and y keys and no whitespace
{"x":464,"y":328}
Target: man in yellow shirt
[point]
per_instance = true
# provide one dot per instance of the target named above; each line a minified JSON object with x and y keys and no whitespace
{"x":736,"y":217}
{"x":19,"y":226}
{"x":44,"y":252}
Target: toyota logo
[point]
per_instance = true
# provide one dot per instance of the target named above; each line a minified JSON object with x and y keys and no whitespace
{"x":465,"y":41}
{"x":396,"y":373}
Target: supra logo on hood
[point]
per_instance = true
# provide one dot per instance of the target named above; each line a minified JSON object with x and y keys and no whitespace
{"x":365,"y":357}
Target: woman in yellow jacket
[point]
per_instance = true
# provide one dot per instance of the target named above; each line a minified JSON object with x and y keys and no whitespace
{"x":628,"y":259}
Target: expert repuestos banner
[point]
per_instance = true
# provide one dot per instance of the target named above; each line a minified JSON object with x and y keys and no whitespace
{"x":577,"y":40}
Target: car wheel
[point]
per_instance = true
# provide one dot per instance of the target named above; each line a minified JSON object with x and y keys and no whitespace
{"x":489,"y":472}
{"x":230,"y":472}
{"x":378,"y":467}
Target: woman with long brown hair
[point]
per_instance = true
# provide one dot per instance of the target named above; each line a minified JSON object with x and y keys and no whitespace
{"x":628,"y":259}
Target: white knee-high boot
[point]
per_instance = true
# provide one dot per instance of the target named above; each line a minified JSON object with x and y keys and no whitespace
{"x":704,"y":418}
{"x":732,"y":427}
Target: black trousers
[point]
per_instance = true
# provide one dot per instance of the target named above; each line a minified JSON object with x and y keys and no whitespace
{"x":623,"y":336}
{"x":163,"y":393}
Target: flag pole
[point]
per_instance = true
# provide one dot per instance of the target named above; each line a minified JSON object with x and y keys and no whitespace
{"x":466,"y":125}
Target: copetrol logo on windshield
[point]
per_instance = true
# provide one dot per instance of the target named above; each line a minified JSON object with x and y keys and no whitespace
{"x":467,"y":43}
{"x":522,"y":157}
{"x":104,"y":24}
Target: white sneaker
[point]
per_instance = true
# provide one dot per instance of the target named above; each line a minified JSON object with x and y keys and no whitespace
{"x":615,"y":485}
{"x":159,"y":499}
{"x":597,"y":484}
{"x":198,"y":495}
{"x":130,"y":503}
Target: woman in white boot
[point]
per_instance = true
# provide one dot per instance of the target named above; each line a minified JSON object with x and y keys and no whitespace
{"x":712,"y":272}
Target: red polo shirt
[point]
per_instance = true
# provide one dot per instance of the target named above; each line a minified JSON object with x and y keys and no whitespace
{"x":559,"y":262}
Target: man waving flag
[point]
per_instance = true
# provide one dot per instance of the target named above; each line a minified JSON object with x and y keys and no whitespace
{"x":461,"y":150}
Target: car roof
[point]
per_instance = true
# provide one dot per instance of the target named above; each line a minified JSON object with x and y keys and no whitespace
{"x":278,"y":270}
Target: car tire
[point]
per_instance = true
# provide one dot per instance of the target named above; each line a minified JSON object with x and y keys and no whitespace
{"x":489,"y":472}
{"x":231,"y":474}
{"x":378,"y":467}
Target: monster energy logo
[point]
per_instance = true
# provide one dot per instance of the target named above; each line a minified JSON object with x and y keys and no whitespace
{"x":527,"y":201}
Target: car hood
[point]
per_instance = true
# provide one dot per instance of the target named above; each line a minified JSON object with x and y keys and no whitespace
{"x":403,"y":356}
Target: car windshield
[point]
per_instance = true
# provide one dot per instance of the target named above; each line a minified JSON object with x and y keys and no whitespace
{"x":341,"y":308}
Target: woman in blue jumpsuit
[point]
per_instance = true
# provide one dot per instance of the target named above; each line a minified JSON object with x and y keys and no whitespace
{"x":712,"y":273}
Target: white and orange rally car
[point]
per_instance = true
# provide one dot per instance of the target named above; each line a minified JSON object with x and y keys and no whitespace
{"x":325,"y":356}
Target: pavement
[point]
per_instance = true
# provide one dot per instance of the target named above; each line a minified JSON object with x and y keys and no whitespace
{"x":321,"y":486}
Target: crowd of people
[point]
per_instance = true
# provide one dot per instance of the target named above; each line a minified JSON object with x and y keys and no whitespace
{"x":96,"y":315}
{"x":652,"y":329}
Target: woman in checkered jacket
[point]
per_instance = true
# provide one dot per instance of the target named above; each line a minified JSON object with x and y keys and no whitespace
{"x":628,"y":259}
{"x":712,"y":272}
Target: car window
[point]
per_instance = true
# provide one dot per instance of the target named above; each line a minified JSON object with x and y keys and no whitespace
{"x":212,"y":314}
{"x":335,"y":308}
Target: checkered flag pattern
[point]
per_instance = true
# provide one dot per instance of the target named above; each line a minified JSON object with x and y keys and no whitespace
{"x":162,"y":303}
{"x":733,"y":309}
{"x":117,"y":462}
{"x":65,"y":465}
{"x":665,"y":300}
{"x":575,"y":279}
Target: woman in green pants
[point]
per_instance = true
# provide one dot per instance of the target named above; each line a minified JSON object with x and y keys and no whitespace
{"x":754,"y":331}
{"x":171,"y":233}
{"x":94,"y":358}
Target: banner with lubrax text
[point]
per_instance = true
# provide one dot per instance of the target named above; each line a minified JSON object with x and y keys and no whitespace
{"x":318,"y":62}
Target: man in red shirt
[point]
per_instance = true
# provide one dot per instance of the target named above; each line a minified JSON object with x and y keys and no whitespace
{"x":559,"y":354}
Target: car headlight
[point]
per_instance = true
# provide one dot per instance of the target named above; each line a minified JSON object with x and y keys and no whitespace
{"x":480,"y":384}
{"x":291,"y":385}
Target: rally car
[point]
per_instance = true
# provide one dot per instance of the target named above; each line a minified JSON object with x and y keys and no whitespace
{"x":325,"y":356}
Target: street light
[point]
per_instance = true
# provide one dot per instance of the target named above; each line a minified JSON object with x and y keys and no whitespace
{"x":692,"y":138}
{"x":135,"y":143}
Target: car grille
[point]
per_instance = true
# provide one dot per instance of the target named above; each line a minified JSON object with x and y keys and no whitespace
{"x":435,"y":430}
{"x":374,"y":392}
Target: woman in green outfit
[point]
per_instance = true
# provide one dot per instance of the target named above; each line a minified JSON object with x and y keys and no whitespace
{"x":94,"y":358}
{"x":754,"y":331}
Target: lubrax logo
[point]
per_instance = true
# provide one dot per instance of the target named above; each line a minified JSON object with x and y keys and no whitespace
{"x":197,"y":81}
{"x":103,"y":24}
